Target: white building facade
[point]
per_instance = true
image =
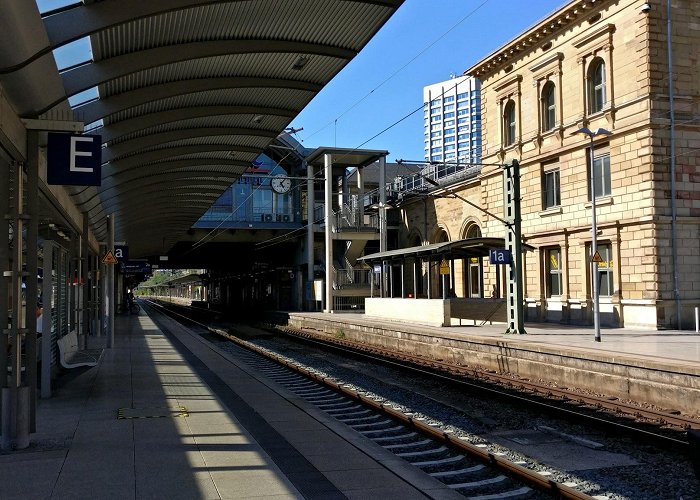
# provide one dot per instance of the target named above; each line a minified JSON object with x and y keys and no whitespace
{"x":452,"y":120}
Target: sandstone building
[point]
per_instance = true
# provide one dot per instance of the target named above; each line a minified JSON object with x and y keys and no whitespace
{"x":602,"y":64}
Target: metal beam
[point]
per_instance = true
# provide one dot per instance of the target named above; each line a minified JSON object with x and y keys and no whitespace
{"x":95,"y":73}
{"x":190,"y":164}
{"x":162,"y":155}
{"x":119,"y":129}
{"x":152,"y":140}
{"x":101,"y":108}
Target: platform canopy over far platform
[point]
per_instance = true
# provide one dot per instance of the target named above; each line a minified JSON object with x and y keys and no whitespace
{"x":451,"y":250}
{"x":185,"y":94}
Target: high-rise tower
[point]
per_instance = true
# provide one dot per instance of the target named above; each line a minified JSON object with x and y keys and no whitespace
{"x":452,"y":119}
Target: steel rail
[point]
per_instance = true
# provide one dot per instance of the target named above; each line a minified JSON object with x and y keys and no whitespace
{"x":527,"y":476}
{"x":516,"y":384}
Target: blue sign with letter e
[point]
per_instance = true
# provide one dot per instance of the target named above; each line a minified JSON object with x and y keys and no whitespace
{"x":500,"y":256}
{"x":74,"y":160}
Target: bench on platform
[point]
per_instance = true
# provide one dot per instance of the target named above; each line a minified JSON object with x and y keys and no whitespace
{"x":72,"y":357}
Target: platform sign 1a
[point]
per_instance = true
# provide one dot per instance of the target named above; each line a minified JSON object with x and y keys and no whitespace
{"x":74,"y":160}
{"x":500,"y":256}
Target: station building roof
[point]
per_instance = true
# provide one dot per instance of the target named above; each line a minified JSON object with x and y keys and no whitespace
{"x":186,"y":93}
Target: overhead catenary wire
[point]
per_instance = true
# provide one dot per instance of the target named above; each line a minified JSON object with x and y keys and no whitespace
{"x":392,"y":75}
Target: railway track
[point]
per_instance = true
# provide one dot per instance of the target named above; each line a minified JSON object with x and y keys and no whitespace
{"x":632,"y":419}
{"x":466,"y":468}
{"x":469,"y":469}
{"x":655,"y":466}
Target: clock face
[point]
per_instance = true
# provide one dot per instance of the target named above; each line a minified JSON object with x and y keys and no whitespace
{"x":281,"y":183}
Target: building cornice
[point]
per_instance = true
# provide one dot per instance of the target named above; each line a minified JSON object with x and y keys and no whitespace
{"x":540,"y":34}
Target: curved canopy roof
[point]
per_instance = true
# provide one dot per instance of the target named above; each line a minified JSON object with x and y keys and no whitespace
{"x":189,"y":92}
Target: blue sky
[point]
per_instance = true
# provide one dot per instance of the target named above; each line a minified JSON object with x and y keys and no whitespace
{"x":423,"y":43}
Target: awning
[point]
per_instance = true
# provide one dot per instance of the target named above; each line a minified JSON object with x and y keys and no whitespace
{"x":460,"y":249}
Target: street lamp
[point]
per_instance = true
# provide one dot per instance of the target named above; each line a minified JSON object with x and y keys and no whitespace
{"x":594,"y":229}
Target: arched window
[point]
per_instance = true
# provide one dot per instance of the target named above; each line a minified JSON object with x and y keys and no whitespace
{"x":473,"y":231}
{"x":549,"y":107}
{"x":509,"y":124}
{"x":596,"y":86}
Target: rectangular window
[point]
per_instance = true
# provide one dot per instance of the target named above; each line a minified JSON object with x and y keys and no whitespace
{"x":449,"y":139}
{"x":553,"y":265}
{"x":550,"y":189}
{"x":449,"y":107}
{"x":451,"y":114}
{"x":463,"y":95}
{"x":605,"y":271}
{"x":436,"y":134}
{"x":601,"y":169}
{"x":449,"y":123}
{"x":449,"y":98}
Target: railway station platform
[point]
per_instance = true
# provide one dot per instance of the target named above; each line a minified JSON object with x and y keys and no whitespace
{"x":657,"y":367}
{"x":165,"y":414}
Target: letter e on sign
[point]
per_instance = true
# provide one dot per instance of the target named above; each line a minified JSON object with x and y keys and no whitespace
{"x":74,"y":160}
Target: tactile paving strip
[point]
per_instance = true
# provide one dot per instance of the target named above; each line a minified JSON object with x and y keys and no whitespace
{"x":153,"y":412}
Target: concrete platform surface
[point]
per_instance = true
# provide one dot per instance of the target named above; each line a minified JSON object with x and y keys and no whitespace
{"x":166,"y":415}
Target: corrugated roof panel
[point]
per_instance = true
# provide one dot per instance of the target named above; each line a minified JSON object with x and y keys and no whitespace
{"x":265,"y":123}
{"x":265,"y":97}
{"x":331,"y":22}
{"x":318,"y":70}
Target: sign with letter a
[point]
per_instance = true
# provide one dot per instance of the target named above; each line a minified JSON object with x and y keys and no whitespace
{"x":74,"y":160}
{"x":500,"y":256}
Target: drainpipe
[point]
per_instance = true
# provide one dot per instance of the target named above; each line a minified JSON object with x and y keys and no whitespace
{"x":672,"y":116}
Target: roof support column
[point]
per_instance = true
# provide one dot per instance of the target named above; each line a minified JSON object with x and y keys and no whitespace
{"x":47,"y":317}
{"x":110,"y":295}
{"x":310,"y":202}
{"x":382,"y":222}
{"x":415,"y":278}
{"x":15,"y":395}
{"x":361,"y":196}
{"x":4,"y":261}
{"x":328,"y":208}
{"x":83,"y":279}
{"x":32,"y":297}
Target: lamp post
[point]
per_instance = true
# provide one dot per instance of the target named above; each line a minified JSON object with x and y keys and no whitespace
{"x":594,"y":231}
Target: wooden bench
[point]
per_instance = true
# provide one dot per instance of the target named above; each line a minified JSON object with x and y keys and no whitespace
{"x":72,"y":357}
